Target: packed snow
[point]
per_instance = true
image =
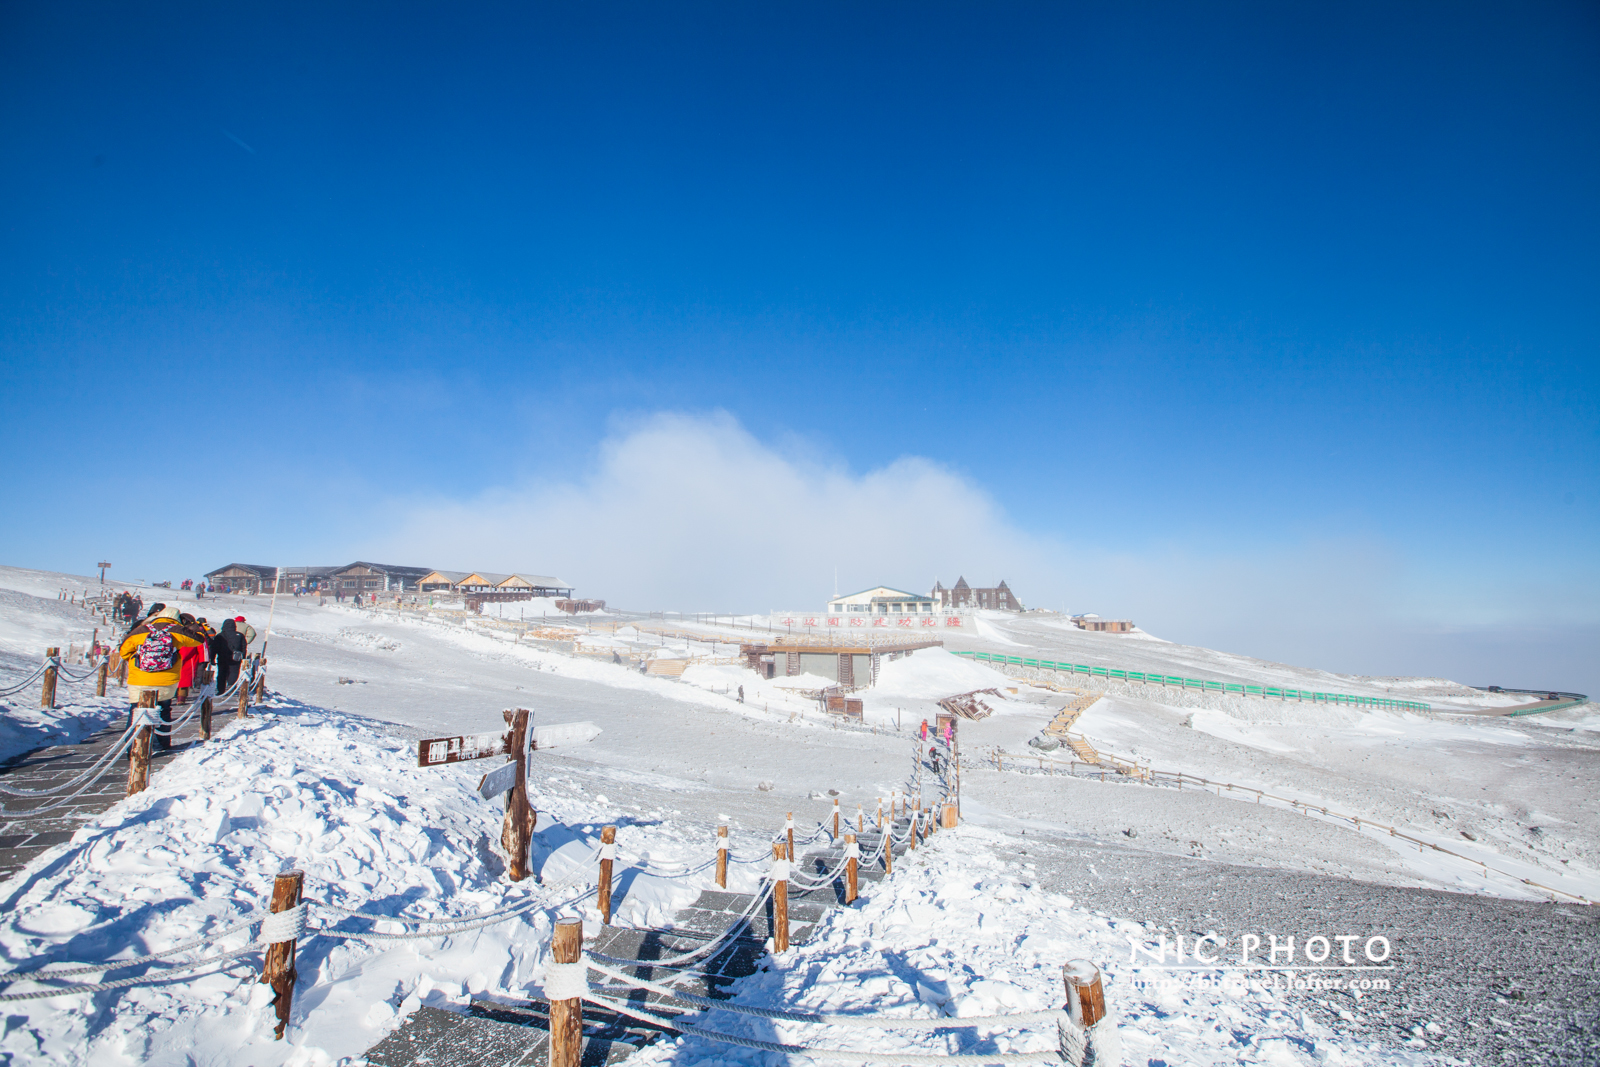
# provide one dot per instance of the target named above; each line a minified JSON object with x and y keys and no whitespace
{"x":324,"y":779}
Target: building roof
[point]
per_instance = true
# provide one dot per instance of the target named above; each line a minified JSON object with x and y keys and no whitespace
{"x":254,"y":568}
{"x":384,"y":568}
{"x":453,"y":577}
{"x":537,"y":581}
{"x":898,"y":594}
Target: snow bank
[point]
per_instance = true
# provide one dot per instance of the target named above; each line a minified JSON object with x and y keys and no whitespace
{"x":327,"y":793}
{"x":959,"y":933}
{"x":932,"y":674}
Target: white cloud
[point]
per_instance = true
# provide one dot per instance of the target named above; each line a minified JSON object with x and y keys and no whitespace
{"x":693,"y":513}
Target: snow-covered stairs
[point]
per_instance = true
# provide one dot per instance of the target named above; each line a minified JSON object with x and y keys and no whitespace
{"x":507,"y":1033}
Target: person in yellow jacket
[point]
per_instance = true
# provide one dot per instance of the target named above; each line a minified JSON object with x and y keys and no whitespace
{"x":154,"y":654}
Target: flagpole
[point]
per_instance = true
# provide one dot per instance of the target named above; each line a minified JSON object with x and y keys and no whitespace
{"x":277,"y":575}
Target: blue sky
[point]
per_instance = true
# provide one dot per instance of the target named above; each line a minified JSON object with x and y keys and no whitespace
{"x":1258,"y":303}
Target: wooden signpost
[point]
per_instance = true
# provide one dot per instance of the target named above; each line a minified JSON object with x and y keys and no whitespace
{"x":510,"y":778}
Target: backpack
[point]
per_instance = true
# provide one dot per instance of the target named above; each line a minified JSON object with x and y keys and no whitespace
{"x":157,"y":654}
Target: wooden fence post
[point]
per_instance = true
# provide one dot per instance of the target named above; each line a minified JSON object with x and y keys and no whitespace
{"x":949,"y":816}
{"x":139,"y":751}
{"x":836,"y":818}
{"x":122,"y":671}
{"x":100,"y":676}
{"x":888,"y":849}
{"x":911,"y":838}
{"x":566,"y":1016}
{"x":861,"y":819}
{"x":47,"y":691}
{"x":261,"y":677}
{"x":244,"y":692}
{"x":780,"y":900}
{"x":1086,"y":996}
{"x":517,"y":829}
{"x":608,"y":850}
{"x":851,"y":868}
{"x":722,"y":857}
{"x":788,"y":827}
{"x":279,"y":972}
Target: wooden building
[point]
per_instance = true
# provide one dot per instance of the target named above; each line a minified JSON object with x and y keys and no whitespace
{"x":241,"y":578}
{"x":1095,"y":624}
{"x":488,"y":585}
{"x":962,"y":596}
{"x":441,"y":581}
{"x":366,"y":578}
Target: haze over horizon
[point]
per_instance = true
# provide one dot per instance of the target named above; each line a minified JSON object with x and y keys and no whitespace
{"x":1271,"y":329}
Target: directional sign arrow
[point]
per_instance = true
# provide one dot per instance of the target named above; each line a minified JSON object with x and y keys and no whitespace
{"x":498,"y":780}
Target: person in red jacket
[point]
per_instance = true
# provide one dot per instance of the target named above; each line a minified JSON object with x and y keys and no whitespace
{"x":191,"y":658}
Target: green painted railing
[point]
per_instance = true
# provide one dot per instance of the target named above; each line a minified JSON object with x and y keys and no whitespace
{"x":1202,"y":684}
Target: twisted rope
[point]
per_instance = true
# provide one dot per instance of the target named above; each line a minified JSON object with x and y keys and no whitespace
{"x":865,"y":1021}
{"x":1050,"y":1055}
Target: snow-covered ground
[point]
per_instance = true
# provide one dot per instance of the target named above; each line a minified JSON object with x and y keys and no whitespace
{"x":325,"y":780}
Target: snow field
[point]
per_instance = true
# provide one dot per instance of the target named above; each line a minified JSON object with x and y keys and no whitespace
{"x":298,"y":787}
{"x":958,"y":933}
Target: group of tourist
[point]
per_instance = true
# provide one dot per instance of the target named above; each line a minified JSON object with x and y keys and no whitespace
{"x":166,"y":650}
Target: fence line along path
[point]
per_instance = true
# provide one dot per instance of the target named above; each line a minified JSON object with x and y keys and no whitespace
{"x":30,"y":824}
{"x":511,"y":1033}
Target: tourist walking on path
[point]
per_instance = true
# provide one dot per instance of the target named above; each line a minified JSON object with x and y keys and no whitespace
{"x":227,"y":650}
{"x":153,"y":651}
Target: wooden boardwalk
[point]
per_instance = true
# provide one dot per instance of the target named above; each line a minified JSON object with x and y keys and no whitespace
{"x":23,"y":835}
{"x":510,"y":1033}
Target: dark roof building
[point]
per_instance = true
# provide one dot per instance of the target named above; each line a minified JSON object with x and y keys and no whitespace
{"x":961,"y":595}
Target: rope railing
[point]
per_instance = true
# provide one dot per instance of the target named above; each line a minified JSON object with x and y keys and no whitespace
{"x":816,"y":1052}
{"x":861,"y":1021}
{"x":18,"y":687}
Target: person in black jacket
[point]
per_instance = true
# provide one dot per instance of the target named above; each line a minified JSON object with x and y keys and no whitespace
{"x":227,"y":650}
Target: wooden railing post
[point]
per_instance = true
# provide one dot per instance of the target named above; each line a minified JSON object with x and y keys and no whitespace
{"x":608,"y":851}
{"x":911,"y":838}
{"x":100,"y":676}
{"x":1086,"y":996}
{"x":47,"y":691}
{"x":244,"y":691}
{"x":261,"y":677}
{"x":836,"y":818}
{"x":566,"y":1015}
{"x":517,"y":829}
{"x":722,"y":857}
{"x":279,"y":972}
{"x":788,"y":827}
{"x":780,"y":898}
{"x":888,"y":848}
{"x":852,"y":865}
{"x":861,"y":819}
{"x":139,"y":751}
